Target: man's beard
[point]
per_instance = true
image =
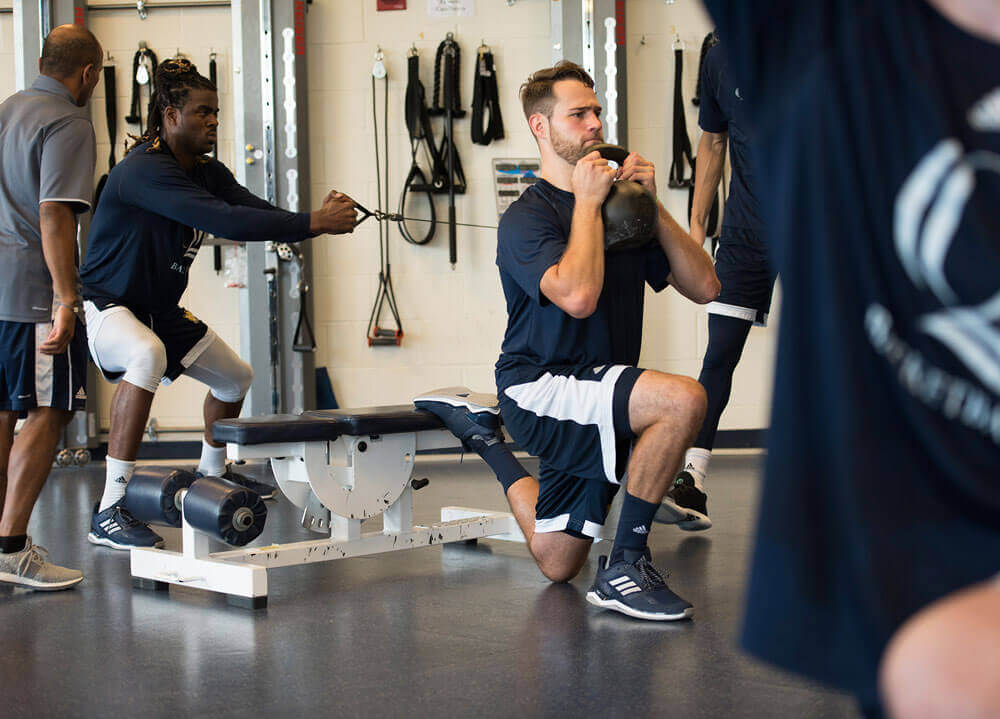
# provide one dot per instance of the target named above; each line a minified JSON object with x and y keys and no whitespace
{"x":568,"y":150}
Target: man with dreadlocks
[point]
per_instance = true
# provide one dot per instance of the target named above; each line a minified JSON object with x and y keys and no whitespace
{"x":158,"y":205}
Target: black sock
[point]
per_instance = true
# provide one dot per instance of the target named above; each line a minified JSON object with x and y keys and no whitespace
{"x":633,"y":526}
{"x":506,"y":467}
{"x":9,"y":545}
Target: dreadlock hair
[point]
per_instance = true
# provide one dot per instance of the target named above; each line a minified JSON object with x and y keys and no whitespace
{"x":174,"y":80}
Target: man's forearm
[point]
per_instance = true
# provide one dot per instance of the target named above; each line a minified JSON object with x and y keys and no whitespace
{"x":58,"y":225}
{"x":691,"y":269}
{"x":708,"y":173}
{"x":576,"y":281}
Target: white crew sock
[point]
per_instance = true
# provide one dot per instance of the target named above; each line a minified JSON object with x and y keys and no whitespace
{"x":213,"y":460}
{"x":696,"y":463}
{"x":119,"y":472}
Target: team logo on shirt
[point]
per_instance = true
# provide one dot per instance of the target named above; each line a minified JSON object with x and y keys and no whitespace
{"x":929,"y":210}
{"x":985,"y":114}
{"x":190,"y":251}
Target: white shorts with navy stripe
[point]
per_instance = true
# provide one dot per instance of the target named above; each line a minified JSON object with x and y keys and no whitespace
{"x":30,"y":379}
{"x":575,"y":420}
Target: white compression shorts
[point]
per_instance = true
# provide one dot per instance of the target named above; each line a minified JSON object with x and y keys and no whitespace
{"x":125,"y":348}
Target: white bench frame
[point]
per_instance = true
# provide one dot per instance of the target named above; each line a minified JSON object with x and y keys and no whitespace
{"x":355,"y":477}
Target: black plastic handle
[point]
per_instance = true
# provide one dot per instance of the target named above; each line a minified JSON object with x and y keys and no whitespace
{"x":612,"y":153}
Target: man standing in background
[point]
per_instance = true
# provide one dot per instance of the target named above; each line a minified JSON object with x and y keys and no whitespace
{"x":46,"y":179}
{"x":741,"y":264}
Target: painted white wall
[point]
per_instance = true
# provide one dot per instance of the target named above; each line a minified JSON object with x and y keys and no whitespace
{"x":454,"y":319}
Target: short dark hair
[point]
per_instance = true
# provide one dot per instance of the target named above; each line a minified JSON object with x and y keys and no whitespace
{"x":536,"y":92}
{"x":68,"y":48}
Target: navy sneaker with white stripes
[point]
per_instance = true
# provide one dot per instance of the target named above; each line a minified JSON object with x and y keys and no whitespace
{"x":469,"y":415}
{"x":633,"y":586}
{"x":266,"y":491}
{"x":115,"y":527}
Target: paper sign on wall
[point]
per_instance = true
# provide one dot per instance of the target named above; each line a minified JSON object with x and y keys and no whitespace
{"x":446,"y":8}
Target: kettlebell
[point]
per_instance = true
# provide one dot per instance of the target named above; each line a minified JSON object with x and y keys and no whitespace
{"x":629,"y":211}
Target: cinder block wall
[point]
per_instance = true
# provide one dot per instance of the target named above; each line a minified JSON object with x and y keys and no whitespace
{"x":454,"y":319}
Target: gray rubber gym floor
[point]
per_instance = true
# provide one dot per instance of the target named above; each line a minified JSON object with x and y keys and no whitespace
{"x":432,"y":632}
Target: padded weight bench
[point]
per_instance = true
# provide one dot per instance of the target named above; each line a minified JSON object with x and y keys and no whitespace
{"x":340,"y":467}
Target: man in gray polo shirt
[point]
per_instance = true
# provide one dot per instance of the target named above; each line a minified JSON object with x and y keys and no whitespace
{"x":46,"y":179}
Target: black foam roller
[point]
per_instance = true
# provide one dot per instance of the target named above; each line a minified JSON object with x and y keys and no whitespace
{"x":225,"y":510}
{"x":151,"y":494}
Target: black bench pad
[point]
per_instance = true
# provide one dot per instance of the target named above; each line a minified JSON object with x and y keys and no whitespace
{"x":324,"y":425}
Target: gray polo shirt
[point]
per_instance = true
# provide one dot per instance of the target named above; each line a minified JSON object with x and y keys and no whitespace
{"x":49,"y":151}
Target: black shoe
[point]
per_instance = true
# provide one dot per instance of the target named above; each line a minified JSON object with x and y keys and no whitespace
{"x":266,"y":491}
{"x":684,"y":505}
{"x":468,"y":415}
{"x":633,"y":586}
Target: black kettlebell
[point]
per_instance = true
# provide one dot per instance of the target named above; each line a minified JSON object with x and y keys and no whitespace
{"x":629,"y":211}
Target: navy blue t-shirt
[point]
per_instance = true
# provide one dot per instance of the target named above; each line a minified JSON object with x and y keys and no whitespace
{"x":532,"y":237}
{"x":152,"y":218}
{"x":878,"y":128}
{"x":724,"y":109}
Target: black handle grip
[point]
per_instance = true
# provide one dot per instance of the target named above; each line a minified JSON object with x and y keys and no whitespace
{"x":612,"y":153}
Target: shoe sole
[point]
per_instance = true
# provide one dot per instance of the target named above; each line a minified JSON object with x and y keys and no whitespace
{"x":105,"y":542}
{"x":472,"y":407}
{"x":613,"y":604}
{"x":38,"y":586}
{"x":687,"y":519}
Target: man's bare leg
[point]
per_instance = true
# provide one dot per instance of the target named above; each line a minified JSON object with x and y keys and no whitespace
{"x":29,"y":464}
{"x":8,"y":420}
{"x":215,"y":409}
{"x":130,"y":407}
{"x":559,"y":556}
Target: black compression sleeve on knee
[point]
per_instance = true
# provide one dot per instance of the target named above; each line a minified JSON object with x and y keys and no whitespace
{"x":726,"y":338}
{"x":9,"y":545}
{"x":504,"y":464}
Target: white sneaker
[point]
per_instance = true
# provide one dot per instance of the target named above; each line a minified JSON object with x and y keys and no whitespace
{"x":29,"y":568}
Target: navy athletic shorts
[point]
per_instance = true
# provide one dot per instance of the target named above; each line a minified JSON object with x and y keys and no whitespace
{"x":575,"y":420}
{"x":31,"y":379}
{"x":743,"y":268}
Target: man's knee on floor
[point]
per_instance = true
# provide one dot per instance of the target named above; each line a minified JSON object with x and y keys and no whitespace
{"x":147,"y":362}
{"x":559,"y":556}
{"x":942,"y":662}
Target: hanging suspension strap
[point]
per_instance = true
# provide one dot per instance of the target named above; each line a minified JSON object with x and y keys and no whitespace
{"x":386,"y":296}
{"x":486,"y":99}
{"x":418,"y":125}
{"x":682,"y":143}
{"x":111,"y":114}
{"x":143,"y":73}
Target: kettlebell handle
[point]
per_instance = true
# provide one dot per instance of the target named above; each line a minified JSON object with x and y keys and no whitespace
{"x":612,"y":153}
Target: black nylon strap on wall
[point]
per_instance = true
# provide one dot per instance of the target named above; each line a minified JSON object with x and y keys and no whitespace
{"x":111,"y":115}
{"x":418,"y":125}
{"x":682,"y":143}
{"x":217,"y":249}
{"x":486,"y":98}
{"x":710,"y":41}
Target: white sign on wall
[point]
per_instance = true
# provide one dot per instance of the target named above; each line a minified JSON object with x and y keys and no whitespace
{"x":446,"y":8}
